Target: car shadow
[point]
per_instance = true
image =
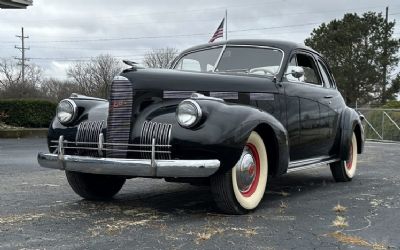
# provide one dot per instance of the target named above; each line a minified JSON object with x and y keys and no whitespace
{"x":186,"y":199}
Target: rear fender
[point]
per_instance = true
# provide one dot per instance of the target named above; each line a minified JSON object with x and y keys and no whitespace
{"x":350,"y":122}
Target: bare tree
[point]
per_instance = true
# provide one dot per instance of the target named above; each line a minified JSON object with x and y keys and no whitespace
{"x":94,"y":77}
{"x":9,"y":74}
{"x":56,"y":90}
{"x":160,"y":58}
{"x":11,"y":85}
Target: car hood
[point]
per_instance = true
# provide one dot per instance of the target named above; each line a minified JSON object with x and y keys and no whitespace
{"x":169,"y":79}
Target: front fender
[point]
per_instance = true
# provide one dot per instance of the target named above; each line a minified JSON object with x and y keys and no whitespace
{"x":221,"y":134}
{"x":350,"y":122}
{"x":89,"y":109}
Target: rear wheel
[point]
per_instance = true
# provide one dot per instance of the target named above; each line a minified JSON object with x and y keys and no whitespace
{"x":343,"y":171}
{"x":94,"y":186}
{"x":242,"y":188}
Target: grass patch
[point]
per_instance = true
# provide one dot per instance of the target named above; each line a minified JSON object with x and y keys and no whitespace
{"x":356,"y":241}
{"x":340,"y":222}
{"x":339,"y":208}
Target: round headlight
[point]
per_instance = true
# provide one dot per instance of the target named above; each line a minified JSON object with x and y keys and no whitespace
{"x":66,"y":111}
{"x":188,"y":113}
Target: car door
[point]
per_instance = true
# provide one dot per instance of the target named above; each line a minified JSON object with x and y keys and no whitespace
{"x":306,"y":134}
{"x":331,"y":104}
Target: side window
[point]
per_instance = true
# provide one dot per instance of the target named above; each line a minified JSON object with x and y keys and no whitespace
{"x":325,"y":75}
{"x":310,"y":69}
{"x":292,"y":63}
{"x":189,"y":65}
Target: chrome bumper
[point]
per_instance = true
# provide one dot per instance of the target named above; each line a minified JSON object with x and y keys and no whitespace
{"x":129,"y":167}
{"x":126,"y":167}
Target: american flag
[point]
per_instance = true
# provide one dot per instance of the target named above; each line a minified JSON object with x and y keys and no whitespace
{"x":219,"y":32}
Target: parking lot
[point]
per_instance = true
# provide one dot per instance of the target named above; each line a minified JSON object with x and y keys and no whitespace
{"x":38,"y":210}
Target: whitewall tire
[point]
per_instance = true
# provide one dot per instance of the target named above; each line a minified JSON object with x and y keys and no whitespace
{"x":343,"y":171}
{"x":242,"y":188}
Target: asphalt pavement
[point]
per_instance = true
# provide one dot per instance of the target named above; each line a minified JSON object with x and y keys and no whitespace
{"x":38,"y":209}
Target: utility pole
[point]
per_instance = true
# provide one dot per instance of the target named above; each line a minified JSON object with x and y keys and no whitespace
{"x":385,"y":57}
{"x":23,"y":59}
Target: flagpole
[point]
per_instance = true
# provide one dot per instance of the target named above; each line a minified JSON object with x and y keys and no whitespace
{"x":226,"y":24}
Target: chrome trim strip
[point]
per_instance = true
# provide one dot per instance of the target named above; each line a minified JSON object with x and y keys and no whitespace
{"x":175,"y":94}
{"x":130,"y":167}
{"x":105,"y":144}
{"x":120,"y":150}
{"x":309,"y":164}
{"x":225,"y":95}
{"x":262,"y":96}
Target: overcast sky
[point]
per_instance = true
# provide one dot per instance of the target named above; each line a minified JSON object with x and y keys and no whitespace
{"x":63,"y":31}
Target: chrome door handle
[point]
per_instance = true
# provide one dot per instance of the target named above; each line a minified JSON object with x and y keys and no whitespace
{"x":328,"y":96}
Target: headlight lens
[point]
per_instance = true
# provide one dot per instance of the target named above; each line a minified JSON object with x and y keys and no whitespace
{"x":66,"y":111}
{"x":188,"y":113}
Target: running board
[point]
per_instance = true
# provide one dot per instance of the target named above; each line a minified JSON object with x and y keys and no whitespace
{"x":295,"y":166}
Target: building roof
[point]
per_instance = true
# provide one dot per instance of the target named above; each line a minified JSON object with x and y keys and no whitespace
{"x":15,"y":4}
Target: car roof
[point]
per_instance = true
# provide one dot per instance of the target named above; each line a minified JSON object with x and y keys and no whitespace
{"x":286,"y":46}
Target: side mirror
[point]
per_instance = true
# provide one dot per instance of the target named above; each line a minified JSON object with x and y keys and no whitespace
{"x":297,"y":72}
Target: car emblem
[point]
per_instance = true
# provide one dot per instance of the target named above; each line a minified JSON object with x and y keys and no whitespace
{"x":118,"y":104}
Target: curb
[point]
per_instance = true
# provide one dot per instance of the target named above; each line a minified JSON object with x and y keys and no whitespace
{"x":24,"y":133}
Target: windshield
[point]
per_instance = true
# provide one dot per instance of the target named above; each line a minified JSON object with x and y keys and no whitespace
{"x":200,"y":61}
{"x":260,"y":61}
{"x":238,"y":59}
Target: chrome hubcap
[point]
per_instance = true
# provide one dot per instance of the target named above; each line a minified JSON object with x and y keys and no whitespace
{"x":246,"y":170}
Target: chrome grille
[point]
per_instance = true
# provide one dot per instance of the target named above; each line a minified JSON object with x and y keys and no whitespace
{"x":161,"y":132}
{"x":119,"y":118}
{"x":89,"y":132}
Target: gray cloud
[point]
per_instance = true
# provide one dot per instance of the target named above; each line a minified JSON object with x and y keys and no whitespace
{"x":178,"y":24}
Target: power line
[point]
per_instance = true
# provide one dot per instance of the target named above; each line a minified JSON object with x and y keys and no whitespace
{"x":22,"y":49}
{"x":183,"y":35}
{"x":166,"y":36}
{"x":286,"y":14}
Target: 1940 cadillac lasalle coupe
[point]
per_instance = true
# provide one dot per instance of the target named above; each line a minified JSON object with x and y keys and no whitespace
{"x":229,"y":114}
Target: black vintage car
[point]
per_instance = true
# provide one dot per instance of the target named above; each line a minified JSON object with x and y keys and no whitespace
{"x":228,"y":114}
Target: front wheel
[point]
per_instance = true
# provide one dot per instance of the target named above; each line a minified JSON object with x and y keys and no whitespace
{"x":94,"y":186}
{"x":242,"y":188}
{"x":343,"y":171}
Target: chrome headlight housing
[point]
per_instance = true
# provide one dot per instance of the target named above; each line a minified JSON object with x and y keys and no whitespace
{"x":188,"y":113}
{"x":66,"y":111}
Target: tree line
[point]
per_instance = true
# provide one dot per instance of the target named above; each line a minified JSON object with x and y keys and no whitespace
{"x":361,"y":51}
{"x":92,"y":78}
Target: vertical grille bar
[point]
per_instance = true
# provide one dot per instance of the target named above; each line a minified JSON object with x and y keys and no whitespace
{"x":119,"y":117}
